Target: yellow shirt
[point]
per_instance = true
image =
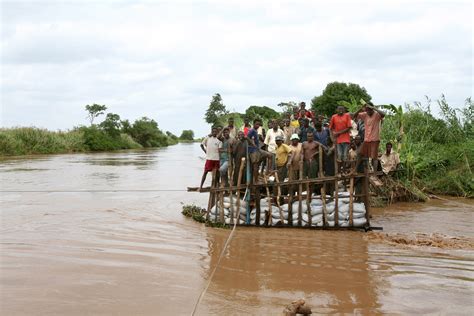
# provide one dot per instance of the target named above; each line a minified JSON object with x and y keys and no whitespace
{"x":282,"y":153}
{"x":295,"y":124}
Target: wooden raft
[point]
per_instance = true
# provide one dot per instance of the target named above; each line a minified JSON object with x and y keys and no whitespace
{"x":271,"y":191}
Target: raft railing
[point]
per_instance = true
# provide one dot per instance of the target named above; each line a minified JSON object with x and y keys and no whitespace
{"x":273,"y":190}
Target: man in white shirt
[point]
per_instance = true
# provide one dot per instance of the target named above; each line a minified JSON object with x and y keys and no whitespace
{"x":210,"y":145}
{"x":389,"y":160}
{"x":272,"y":134}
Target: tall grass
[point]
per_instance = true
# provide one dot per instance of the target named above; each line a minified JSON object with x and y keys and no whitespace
{"x":437,"y":154}
{"x":31,"y":140}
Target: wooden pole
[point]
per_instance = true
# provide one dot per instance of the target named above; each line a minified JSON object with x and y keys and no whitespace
{"x":257,"y":206}
{"x":269,"y":199}
{"x":211,"y":196}
{"x":282,"y":218}
{"x":323,"y":199}
{"x":300,"y":192}
{"x":336,"y":189}
{"x":366,"y":195}
{"x":221,"y":204}
{"x":230,"y":175}
{"x":323,"y":187}
{"x":320,"y":149}
{"x":216,"y":184}
{"x":308,"y":202}
{"x":290,"y":199}
{"x":239,"y":181}
{"x":351,"y":202}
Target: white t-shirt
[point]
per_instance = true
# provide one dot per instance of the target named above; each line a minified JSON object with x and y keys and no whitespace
{"x":211,"y":144}
{"x":270,"y":139}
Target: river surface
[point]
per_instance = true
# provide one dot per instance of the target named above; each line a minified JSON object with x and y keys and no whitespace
{"x":68,"y":251}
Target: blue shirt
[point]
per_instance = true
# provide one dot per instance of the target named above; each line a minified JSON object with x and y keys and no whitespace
{"x":304,"y":133}
{"x":253,"y":135}
{"x":322,"y":136}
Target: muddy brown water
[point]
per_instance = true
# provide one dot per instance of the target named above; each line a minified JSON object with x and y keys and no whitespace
{"x":133,"y":253}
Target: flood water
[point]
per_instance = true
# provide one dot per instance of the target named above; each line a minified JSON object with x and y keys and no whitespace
{"x":67,"y":251}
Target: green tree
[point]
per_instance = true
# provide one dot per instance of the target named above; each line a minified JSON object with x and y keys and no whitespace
{"x":335,"y":92}
{"x":111,"y":125}
{"x":187,"y":135}
{"x":145,"y":131}
{"x":263,"y":112}
{"x":94,"y":111}
{"x":126,"y":127}
{"x":215,"y":110}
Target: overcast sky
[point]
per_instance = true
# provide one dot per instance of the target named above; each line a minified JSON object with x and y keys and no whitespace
{"x":166,"y":59}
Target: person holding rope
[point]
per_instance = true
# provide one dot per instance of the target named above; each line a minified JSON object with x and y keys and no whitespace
{"x":340,"y":125}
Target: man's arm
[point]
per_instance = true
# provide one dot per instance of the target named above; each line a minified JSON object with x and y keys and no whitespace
{"x":356,"y":114}
{"x":203,"y":148}
{"x":382,"y":114}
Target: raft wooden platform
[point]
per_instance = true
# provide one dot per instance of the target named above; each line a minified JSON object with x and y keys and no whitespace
{"x":284,"y":204}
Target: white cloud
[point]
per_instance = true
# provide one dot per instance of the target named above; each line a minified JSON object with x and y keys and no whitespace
{"x":165,"y":60}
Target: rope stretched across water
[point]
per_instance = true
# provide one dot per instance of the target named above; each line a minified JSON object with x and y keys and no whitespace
{"x":92,"y":191}
{"x":218,"y":262}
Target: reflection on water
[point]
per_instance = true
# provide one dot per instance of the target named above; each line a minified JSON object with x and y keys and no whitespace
{"x":274,"y":269}
{"x":133,"y":253}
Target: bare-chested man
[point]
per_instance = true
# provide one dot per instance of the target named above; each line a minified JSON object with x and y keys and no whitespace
{"x":310,"y":159}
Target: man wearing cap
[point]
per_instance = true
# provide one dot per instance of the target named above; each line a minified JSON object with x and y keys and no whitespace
{"x":283,"y":158}
{"x":296,"y":149}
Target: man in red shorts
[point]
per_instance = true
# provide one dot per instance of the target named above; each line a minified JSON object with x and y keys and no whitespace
{"x":210,"y":145}
{"x":372,"y":118}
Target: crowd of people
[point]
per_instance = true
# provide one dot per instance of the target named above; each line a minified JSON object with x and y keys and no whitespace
{"x":294,"y":142}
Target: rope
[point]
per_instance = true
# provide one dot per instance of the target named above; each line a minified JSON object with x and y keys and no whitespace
{"x":217,"y":264}
{"x":89,"y":191}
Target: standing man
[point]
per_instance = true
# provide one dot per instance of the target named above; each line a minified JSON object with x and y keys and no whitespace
{"x":210,"y":145}
{"x":297,"y":150}
{"x":310,"y":161}
{"x":256,"y":154}
{"x":239,"y":151}
{"x":225,"y":148}
{"x":305,"y":130}
{"x":389,"y":160}
{"x":246,"y":127}
{"x":294,"y":118}
{"x":283,"y":158}
{"x":321,"y":135}
{"x":232,"y":129}
{"x":372,"y":118}
{"x":288,"y":130}
{"x":340,"y":125}
{"x":272,"y":134}
{"x":307,"y":113}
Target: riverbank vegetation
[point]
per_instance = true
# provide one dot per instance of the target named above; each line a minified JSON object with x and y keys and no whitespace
{"x":110,"y":134}
{"x":436,"y":150}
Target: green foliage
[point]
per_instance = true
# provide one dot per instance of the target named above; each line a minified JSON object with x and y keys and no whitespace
{"x":262,"y":112}
{"x":187,"y":135}
{"x":146,"y":132}
{"x":335,"y":92}
{"x":215,"y":110}
{"x":94,"y":111}
{"x":111,"y":125}
{"x":436,"y":154}
{"x":31,"y":140}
